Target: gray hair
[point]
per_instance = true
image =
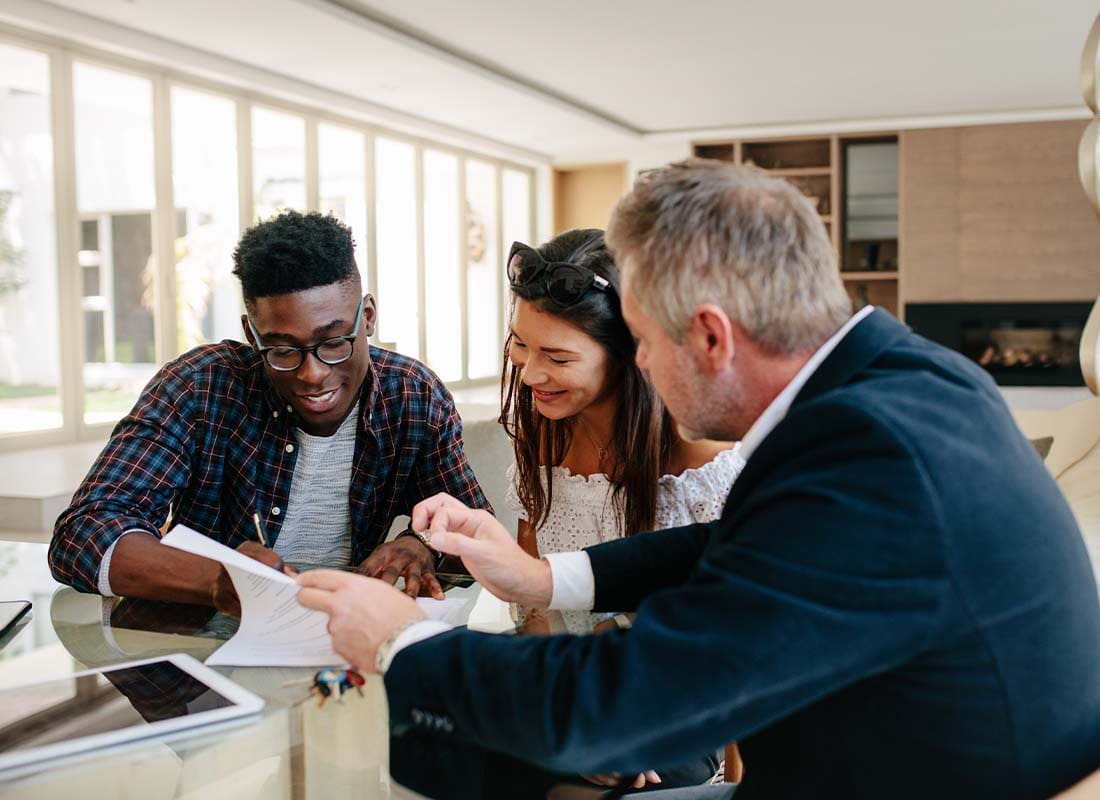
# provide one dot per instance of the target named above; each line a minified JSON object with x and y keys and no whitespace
{"x":706,"y":231}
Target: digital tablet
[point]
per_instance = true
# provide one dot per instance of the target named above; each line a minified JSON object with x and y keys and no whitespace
{"x":113,"y":705}
{"x":11,"y":611}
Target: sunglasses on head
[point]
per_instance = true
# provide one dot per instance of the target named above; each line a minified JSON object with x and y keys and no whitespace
{"x":562,"y":282}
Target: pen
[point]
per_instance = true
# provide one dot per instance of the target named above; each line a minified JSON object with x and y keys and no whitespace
{"x":259,"y":529}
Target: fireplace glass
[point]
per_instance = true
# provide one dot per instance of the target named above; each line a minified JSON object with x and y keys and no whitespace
{"x":1019,"y":344}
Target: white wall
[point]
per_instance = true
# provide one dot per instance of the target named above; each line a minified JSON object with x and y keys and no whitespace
{"x":649,"y":156}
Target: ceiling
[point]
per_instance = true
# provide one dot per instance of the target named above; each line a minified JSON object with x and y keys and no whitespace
{"x":569,"y":78}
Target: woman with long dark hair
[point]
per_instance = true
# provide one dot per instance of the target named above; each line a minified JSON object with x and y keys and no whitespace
{"x":596,"y":455}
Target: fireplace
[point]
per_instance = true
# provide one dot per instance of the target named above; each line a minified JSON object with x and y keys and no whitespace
{"x":1019,"y":344}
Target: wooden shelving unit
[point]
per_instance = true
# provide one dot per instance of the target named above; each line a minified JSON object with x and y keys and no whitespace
{"x":815,"y":165}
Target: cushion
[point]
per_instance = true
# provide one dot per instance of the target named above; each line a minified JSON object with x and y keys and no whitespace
{"x":1042,"y":446}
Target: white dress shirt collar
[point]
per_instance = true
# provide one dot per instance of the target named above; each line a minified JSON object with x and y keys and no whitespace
{"x":779,"y":407}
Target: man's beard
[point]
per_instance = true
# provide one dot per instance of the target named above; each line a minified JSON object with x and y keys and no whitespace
{"x":717,"y":408}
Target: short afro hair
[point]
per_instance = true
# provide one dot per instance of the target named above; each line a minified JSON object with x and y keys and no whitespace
{"x":292,"y":252}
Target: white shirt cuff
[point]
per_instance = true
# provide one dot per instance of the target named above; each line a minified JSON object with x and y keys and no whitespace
{"x":574,"y":585}
{"x":104,"y":580}
{"x":411,"y":635}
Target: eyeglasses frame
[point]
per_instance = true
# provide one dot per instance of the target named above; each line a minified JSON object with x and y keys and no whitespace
{"x":302,"y":351}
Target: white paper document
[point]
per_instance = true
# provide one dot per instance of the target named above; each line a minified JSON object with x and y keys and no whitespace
{"x":275,"y":631}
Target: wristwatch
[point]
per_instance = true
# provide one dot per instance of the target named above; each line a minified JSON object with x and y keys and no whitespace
{"x":426,"y":540}
{"x":382,"y":654}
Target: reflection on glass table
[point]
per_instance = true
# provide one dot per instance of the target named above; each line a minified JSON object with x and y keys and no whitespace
{"x":46,"y":723}
{"x":292,"y":750}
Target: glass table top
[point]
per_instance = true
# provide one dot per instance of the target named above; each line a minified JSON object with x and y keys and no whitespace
{"x":292,"y":750}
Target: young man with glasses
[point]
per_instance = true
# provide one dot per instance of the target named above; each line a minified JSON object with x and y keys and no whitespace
{"x":323,"y":437}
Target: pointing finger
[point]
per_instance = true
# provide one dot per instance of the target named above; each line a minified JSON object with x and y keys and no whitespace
{"x":423,"y":511}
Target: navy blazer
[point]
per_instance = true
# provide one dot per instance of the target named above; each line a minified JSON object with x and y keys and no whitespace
{"x":896,"y":602}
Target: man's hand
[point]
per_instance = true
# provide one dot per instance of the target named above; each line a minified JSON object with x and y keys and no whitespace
{"x":223,"y":596}
{"x":405,"y":556}
{"x":363,"y":612}
{"x":489,"y":552}
{"x":615,"y":779}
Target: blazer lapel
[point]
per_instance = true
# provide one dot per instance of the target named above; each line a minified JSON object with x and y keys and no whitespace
{"x":863,"y":344}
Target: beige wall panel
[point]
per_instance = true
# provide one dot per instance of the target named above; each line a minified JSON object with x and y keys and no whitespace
{"x":995,"y":213}
{"x":584,"y":196}
{"x":929,"y":221}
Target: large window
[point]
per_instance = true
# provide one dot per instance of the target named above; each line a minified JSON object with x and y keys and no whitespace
{"x":398,"y":247}
{"x":204,"y":180}
{"x":124,"y":190}
{"x":30,"y":345}
{"x":443,"y":264}
{"x":516,"y":220}
{"x":278,"y":162}
{"x":115,"y":194}
{"x":483,"y":270}
{"x":342,"y":155}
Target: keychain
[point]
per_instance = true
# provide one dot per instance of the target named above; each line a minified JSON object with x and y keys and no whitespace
{"x":332,"y":681}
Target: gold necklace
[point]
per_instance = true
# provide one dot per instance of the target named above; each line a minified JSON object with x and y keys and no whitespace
{"x":602,"y":451}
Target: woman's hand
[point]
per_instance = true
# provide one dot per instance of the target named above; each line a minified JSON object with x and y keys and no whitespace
{"x":489,"y":552}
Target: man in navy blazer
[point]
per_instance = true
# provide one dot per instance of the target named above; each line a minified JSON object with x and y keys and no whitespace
{"x":896,"y":601}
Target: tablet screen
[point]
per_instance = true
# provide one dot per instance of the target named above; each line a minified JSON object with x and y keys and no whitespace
{"x":113,"y":700}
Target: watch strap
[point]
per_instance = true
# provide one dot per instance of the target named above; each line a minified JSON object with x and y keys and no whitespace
{"x":382,"y":654}
{"x":426,"y":540}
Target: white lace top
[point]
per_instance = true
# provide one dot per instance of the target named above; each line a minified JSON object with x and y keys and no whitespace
{"x":582,"y":513}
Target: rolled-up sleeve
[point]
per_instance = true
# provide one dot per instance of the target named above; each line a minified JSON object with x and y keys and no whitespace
{"x":132,"y":483}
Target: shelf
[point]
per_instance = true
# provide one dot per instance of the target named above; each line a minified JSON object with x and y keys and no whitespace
{"x":821,"y":168}
{"x":882,"y":275}
{"x":721,"y":151}
{"x":800,"y":172}
{"x":783,"y":155}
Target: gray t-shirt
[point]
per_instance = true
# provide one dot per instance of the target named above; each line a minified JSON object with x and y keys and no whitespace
{"x":317,"y":527}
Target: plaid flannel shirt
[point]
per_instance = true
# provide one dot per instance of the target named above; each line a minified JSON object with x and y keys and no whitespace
{"x":211,"y":442}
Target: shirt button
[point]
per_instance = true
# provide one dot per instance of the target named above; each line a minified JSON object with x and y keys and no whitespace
{"x":275,"y":414}
{"x":276,"y":511}
{"x":288,"y":408}
{"x":290,"y":448}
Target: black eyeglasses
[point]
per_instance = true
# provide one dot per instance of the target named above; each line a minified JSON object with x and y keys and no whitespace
{"x":286,"y":358}
{"x":563,"y":283}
